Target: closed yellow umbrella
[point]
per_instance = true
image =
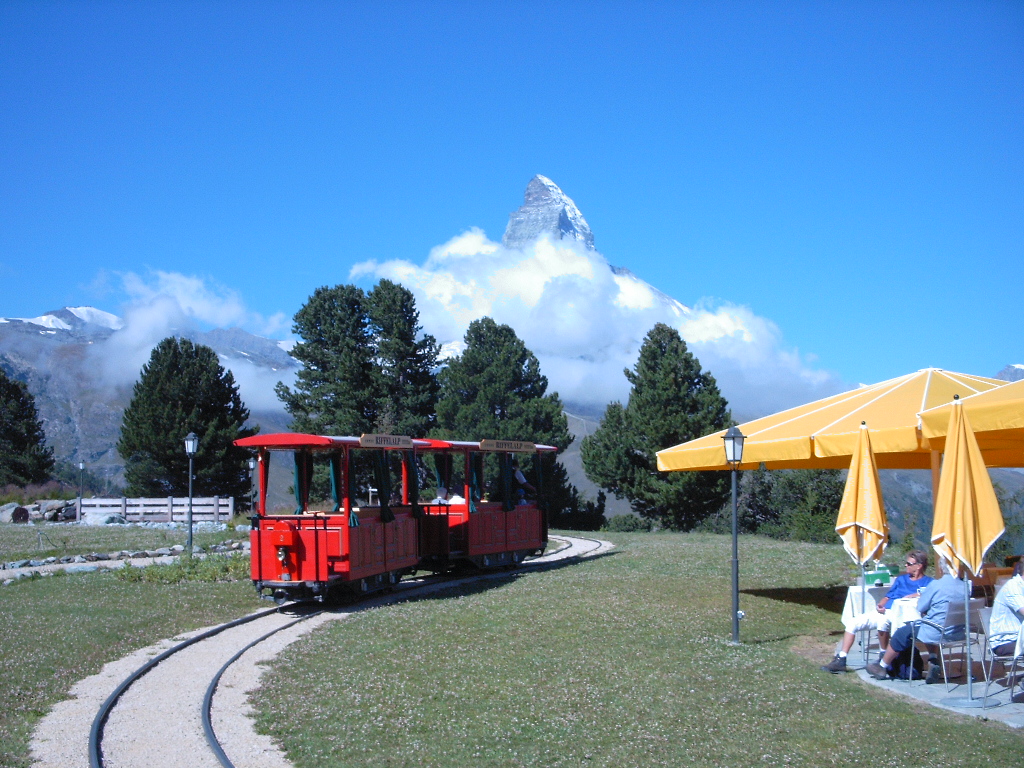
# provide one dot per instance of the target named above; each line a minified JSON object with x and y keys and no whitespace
{"x":862,"y":523}
{"x":967,"y":516}
{"x":824,"y":434}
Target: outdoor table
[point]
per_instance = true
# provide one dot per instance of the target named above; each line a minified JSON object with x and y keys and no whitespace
{"x":899,"y":612}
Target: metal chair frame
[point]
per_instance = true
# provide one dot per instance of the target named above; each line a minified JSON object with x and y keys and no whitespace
{"x":954,"y":619}
{"x":990,"y":659}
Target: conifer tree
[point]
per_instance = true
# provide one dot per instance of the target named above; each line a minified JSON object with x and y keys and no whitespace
{"x":334,"y":390}
{"x":183,"y":389}
{"x":406,"y":388}
{"x":495,"y":389}
{"x":671,"y":401}
{"x":24,"y":456}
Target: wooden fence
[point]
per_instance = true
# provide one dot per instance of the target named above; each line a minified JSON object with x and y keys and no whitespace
{"x":166,"y":510}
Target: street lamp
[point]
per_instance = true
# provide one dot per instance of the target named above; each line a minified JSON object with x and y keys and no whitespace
{"x":191,"y":446}
{"x":734,"y":455}
{"x":81,"y":489}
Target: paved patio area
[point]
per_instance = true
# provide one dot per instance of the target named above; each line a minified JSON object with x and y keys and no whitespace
{"x":999,"y":707}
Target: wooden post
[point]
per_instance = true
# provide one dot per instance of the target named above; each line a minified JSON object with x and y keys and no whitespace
{"x":170,"y":509}
{"x":124,"y":507}
{"x":216,"y":509}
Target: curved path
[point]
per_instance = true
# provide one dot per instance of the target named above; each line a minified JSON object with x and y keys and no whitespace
{"x":158,"y":719}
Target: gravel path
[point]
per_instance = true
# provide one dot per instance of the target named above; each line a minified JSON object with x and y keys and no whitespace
{"x":165,"y":704}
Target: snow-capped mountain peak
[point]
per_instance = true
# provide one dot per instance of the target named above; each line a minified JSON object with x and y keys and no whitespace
{"x":546,"y":210}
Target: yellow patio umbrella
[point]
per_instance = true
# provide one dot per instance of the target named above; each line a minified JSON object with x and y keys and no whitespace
{"x":997,"y":419}
{"x":861,"y":523}
{"x":967,"y":516}
{"x":824,"y":434}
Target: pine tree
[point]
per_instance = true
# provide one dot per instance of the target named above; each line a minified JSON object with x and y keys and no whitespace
{"x":183,"y":389}
{"x":671,"y":401}
{"x":406,"y":388}
{"x":495,"y":389}
{"x":334,"y":392}
{"x":24,"y":456}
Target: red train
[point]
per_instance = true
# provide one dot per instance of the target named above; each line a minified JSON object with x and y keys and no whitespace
{"x":357,"y":523}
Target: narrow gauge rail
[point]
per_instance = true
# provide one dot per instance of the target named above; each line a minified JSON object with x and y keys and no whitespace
{"x":357,"y":523}
{"x":578,"y":547}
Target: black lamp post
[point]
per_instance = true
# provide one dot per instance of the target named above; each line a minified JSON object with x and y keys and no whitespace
{"x":191,"y":446}
{"x":81,"y":489}
{"x":734,"y":455}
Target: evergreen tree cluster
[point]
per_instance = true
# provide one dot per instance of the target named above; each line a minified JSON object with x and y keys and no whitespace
{"x":672,"y":400}
{"x":183,"y":388}
{"x":24,"y":456}
{"x":793,"y":504}
{"x":365,"y":366}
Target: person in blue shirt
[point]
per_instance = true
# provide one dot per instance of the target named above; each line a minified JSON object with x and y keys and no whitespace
{"x":932,"y":605}
{"x":909,"y":583}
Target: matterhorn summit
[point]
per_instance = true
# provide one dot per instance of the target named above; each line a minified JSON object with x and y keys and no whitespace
{"x":546,"y":210}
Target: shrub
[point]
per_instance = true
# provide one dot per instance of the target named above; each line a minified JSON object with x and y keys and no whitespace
{"x":627,"y":524}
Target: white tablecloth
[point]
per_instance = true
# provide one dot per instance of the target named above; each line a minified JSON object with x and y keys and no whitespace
{"x":899,"y":612}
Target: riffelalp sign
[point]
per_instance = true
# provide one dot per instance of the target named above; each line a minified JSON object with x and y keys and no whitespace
{"x":511,"y":446}
{"x":385,"y":441}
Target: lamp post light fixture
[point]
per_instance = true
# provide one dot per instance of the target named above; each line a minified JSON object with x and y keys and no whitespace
{"x":191,"y":446}
{"x":734,"y":455}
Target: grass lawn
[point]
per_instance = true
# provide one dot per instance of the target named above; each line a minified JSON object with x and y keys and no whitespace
{"x":38,"y":541}
{"x":619,"y":661}
{"x":55,"y":631}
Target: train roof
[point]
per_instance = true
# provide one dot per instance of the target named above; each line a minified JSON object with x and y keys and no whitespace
{"x":296,"y":440}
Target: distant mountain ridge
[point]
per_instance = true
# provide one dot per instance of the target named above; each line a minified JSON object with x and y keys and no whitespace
{"x":1011,"y":373}
{"x":55,"y":354}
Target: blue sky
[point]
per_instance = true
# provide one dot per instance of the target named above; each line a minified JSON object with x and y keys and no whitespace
{"x":851,"y":173}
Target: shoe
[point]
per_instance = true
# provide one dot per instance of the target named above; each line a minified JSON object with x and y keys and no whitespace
{"x":836,"y":666}
{"x":877,"y":671}
{"x":934,"y":675}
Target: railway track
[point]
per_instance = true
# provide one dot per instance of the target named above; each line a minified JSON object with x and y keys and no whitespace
{"x":185,"y":703}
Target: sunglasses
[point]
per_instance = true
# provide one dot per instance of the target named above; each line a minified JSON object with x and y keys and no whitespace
{"x":910,"y":563}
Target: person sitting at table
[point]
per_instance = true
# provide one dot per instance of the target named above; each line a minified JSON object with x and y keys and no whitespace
{"x":1006,"y":619}
{"x":932,"y":605}
{"x":906,"y":584}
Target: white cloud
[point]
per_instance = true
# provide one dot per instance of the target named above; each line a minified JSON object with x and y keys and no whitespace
{"x":586,"y":321}
{"x":163,"y":304}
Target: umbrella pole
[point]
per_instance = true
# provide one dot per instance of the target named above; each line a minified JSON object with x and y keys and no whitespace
{"x":966,"y":702}
{"x":863,"y":609}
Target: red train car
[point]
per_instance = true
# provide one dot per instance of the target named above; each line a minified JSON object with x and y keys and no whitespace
{"x":354,"y":520}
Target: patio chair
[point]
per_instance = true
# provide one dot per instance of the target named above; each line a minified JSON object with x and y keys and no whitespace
{"x":952,"y":631}
{"x":991,"y":658}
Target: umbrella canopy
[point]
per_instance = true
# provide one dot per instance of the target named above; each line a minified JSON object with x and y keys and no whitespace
{"x":824,"y":434}
{"x":861,"y":523}
{"x":997,"y":418}
{"x":967,"y":517}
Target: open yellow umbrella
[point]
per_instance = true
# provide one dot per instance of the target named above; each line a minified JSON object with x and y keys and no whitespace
{"x":824,"y":434}
{"x":967,"y":517}
{"x":861,"y":523}
{"x":997,"y":420}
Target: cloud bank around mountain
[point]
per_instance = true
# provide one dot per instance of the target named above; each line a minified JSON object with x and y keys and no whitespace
{"x":162,"y":304}
{"x":585,"y":321}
